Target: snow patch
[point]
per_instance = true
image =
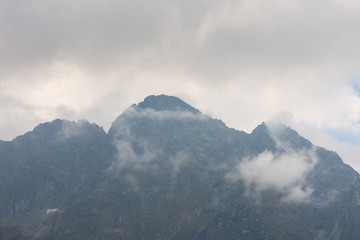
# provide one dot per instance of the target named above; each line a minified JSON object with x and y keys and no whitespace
{"x":51,"y":210}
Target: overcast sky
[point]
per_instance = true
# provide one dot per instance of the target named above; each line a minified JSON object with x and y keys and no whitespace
{"x":244,"y":61}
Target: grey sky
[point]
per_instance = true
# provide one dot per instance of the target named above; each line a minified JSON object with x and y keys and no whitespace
{"x":243,"y":61}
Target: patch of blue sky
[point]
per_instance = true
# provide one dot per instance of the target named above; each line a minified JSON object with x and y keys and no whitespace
{"x":356,"y":87}
{"x":345,"y":135}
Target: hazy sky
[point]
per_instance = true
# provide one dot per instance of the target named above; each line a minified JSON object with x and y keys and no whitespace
{"x":244,"y":61}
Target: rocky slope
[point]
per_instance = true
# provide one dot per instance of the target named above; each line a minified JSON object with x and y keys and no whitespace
{"x":166,"y":171}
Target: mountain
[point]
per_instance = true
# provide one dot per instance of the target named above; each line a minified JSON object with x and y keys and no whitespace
{"x":164,"y":170}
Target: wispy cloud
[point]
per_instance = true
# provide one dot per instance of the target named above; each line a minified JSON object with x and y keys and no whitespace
{"x":132,"y":180}
{"x":136,"y":151}
{"x":131,"y":151}
{"x":71,"y":129}
{"x":128,"y":156}
{"x":136,"y":112}
{"x":177,"y":160}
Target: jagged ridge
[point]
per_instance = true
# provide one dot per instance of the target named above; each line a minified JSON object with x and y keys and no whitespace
{"x":164,"y":178}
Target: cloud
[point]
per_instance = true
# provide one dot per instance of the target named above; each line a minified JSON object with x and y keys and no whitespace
{"x":122,"y":125}
{"x":320,"y":136}
{"x":135,"y":112}
{"x":83,"y":31}
{"x":345,"y":135}
{"x":91,"y":60}
{"x":284,"y":172}
{"x":132,"y":153}
{"x":71,"y":129}
{"x":348,"y":152}
{"x":18,"y":117}
{"x":202,"y":39}
{"x":278,"y":31}
{"x":298,"y":194}
{"x":134,"y":183}
{"x":180,"y":158}
{"x":137,"y":152}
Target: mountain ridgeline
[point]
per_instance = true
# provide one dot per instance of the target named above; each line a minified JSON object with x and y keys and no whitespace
{"x":164,"y":170}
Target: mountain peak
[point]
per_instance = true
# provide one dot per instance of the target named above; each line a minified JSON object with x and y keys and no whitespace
{"x":216,"y":182}
{"x":166,"y":103}
{"x":60,"y":129}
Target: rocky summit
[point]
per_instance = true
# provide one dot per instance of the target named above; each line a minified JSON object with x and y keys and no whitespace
{"x":164,"y":170}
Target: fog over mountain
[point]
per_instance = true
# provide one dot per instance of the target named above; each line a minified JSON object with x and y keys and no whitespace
{"x":164,"y":170}
{"x":242,"y":61}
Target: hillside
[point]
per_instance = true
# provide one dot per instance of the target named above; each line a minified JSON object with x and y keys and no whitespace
{"x":164,"y":170}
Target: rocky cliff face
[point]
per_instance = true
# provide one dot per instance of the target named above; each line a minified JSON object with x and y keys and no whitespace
{"x":166,"y":171}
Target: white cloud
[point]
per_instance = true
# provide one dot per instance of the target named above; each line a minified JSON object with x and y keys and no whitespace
{"x":298,"y":195}
{"x":285,"y":172}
